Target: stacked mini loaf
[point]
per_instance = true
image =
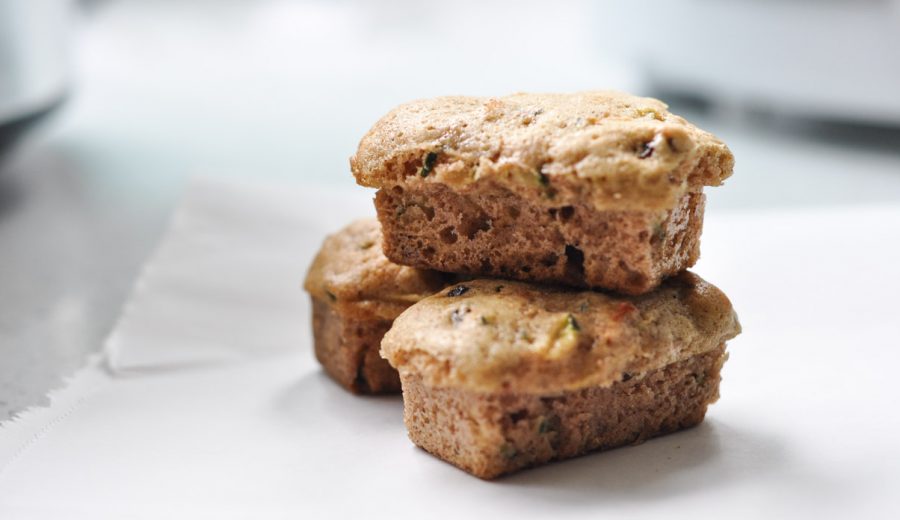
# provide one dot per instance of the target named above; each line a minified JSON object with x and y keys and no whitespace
{"x":563,"y":225}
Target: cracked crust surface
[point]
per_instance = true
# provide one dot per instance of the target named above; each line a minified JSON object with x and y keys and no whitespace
{"x":612,"y":150}
{"x":495,"y":335}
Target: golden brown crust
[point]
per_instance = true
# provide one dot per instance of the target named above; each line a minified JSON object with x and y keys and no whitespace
{"x":351,"y":272}
{"x":356,"y":293}
{"x":493,"y":335}
{"x":613,"y":150}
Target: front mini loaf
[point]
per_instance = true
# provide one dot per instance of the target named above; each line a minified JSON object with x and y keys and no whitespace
{"x":499,"y":376}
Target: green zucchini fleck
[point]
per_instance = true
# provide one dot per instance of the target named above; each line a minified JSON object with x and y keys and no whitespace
{"x":459,"y":290}
{"x":659,"y":232}
{"x":507,"y":450}
{"x":428,"y":163}
{"x":544,"y":426}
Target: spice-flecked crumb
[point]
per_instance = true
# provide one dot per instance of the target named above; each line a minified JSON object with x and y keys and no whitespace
{"x":457,"y":315}
{"x":623,"y":310}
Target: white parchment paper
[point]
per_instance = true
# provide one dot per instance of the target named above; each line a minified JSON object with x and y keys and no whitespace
{"x":209,"y":403}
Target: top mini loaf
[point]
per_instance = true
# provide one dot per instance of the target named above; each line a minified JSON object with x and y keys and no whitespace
{"x":596,"y":189}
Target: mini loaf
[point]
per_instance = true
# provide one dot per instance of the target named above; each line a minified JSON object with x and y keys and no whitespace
{"x":499,"y":376}
{"x":593,"y":189}
{"x":356,"y":293}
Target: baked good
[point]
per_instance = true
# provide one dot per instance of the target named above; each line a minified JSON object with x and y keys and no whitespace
{"x":499,"y":375}
{"x":356,"y":293}
{"x":592,"y":189}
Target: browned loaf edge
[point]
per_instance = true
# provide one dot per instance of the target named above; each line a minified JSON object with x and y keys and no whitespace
{"x":347,"y":347}
{"x":490,"y":230}
{"x":490,"y":434}
{"x":356,"y":294}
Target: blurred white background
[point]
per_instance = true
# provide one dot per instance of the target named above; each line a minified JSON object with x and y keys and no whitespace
{"x":286,"y":89}
{"x":167,"y":89}
{"x":160,"y":91}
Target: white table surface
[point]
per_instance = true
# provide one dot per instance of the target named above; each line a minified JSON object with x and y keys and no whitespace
{"x":213,"y":406}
